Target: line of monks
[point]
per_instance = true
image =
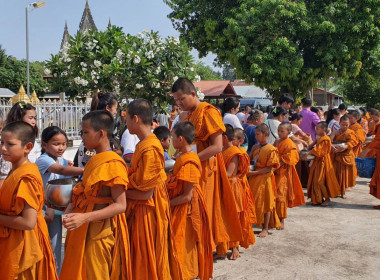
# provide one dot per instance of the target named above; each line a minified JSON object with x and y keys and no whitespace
{"x":140,"y":223}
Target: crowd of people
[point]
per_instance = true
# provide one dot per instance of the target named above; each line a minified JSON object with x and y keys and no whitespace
{"x":130,"y":218}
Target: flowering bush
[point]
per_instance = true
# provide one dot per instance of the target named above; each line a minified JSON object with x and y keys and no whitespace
{"x":130,"y":66}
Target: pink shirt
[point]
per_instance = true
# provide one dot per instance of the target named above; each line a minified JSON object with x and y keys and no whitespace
{"x":309,"y":122}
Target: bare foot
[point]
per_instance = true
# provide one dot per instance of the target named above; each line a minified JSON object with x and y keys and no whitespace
{"x":326,"y":203}
{"x":235,"y":253}
{"x":344,"y":196}
{"x":220,"y":257}
{"x":263,"y":233}
{"x":377,"y":207}
{"x":349,"y":189}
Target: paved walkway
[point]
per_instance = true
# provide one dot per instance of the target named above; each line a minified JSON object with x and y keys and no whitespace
{"x":337,"y":242}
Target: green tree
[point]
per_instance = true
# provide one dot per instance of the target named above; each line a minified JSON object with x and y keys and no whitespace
{"x":228,"y":72}
{"x":130,"y":66}
{"x":13,"y":74}
{"x":205,"y":72}
{"x":285,"y":46}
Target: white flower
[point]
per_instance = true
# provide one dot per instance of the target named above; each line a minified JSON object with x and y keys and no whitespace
{"x":138,"y":86}
{"x":119,"y":54}
{"x":47,"y":71}
{"x":149,"y":54}
{"x":83,"y":64}
{"x":95,"y":81}
{"x":200,"y":95}
{"x":152,"y":42}
{"x":95,"y":41}
{"x":68,"y":67}
{"x":77,"y":80}
{"x":68,"y":59}
{"x":191,"y":69}
{"x":175,"y":78}
{"x":158,"y":70}
{"x":157,"y":85}
{"x":64,"y":73}
{"x":140,"y":35}
{"x":136,"y":59}
{"x":176,"y":41}
{"x":93,"y":73}
{"x":84,"y":69}
{"x":197,"y":78}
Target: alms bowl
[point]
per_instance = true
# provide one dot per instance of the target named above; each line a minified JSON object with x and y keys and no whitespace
{"x":339,"y":144}
{"x":58,"y":192}
{"x":169,"y":165}
{"x":305,"y":157}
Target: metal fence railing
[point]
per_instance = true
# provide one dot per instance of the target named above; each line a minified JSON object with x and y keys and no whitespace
{"x":65,"y":114}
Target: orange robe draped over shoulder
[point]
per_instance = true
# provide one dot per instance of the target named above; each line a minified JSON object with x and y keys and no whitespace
{"x":344,"y":162}
{"x":190,"y":223}
{"x":360,"y":135}
{"x":152,"y":245}
{"x":244,"y":200}
{"x":322,"y":181}
{"x":215,"y":185}
{"x":99,"y":249}
{"x":374,"y":185}
{"x":263,"y":186}
{"x":289,"y":188}
{"x":25,"y":254}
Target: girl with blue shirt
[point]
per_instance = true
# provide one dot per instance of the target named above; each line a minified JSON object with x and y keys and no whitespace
{"x":52,"y":166}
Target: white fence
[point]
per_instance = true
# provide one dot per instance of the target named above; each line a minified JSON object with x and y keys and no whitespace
{"x":66,"y":115}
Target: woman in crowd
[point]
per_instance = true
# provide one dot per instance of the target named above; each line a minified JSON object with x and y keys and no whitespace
{"x":230,"y":108}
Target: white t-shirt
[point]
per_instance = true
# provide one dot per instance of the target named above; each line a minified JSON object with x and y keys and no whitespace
{"x":35,"y":152}
{"x":241,"y":117}
{"x":273,"y":130}
{"x":232,"y":120}
{"x":129,"y":142}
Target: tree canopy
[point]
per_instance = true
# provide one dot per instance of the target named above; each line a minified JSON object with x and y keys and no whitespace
{"x":205,"y":72}
{"x":285,"y":46}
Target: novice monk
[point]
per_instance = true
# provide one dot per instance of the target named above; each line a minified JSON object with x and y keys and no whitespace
{"x":343,"y":158}
{"x":322,"y":183}
{"x":148,"y":212}
{"x":237,"y":166}
{"x":209,"y":127}
{"x":261,"y":181}
{"x":360,"y":134}
{"x":97,"y":245}
{"x":375,"y":121}
{"x":25,"y":248}
{"x":163,"y":134}
{"x":189,"y":219}
{"x":289,"y":188}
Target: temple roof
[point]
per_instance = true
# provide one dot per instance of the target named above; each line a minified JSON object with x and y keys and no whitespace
{"x":20,"y":96}
{"x":66,"y":36}
{"x":87,"y":22}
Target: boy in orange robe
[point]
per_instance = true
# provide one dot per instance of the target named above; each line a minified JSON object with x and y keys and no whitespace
{"x":375,"y":121}
{"x":322,"y":184}
{"x":353,"y":117}
{"x":189,"y":219}
{"x":97,"y":244}
{"x":344,"y":157}
{"x":289,"y":188}
{"x":261,"y":180}
{"x":148,"y":210}
{"x":374,"y":147}
{"x":209,"y":127}
{"x":25,"y":248}
{"x":237,"y":166}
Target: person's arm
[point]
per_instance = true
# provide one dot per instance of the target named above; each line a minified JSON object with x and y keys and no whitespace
{"x":49,"y":215}
{"x":65,"y":170}
{"x":261,"y":171}
{"x":315,"y":119}
{"x":74,"y":220}
{"x":232,"y":167}
{"x":216,"y":146}
{"x":26,"y":220}
{"x":185,"y":197}
{"x":139,"y":195}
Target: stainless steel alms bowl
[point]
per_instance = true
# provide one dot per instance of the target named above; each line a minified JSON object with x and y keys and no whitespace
{"x":169,"y":164}
{"x":58,"y":192}
{"x":339,"y":144}
{"x":305,"y":157}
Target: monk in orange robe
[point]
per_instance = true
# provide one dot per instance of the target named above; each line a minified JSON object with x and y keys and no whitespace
{"x":25,"y":248}
{"x":289,"y":188}
{"x":189,"y":219}
{"x":360,"y":134}
{"x":374,"y":147}
{"x":237,"y":166}
{"x":209,"y":127}
{"x":262,"y":181}
{"x":322,"y":183}
{"x":97,"y":245}
{"x":375,"y":120}
{"x":148,"y":210}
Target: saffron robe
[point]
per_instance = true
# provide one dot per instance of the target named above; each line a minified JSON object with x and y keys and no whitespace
{"x":152,"y":244}
{"x":25,"y":253}
{"x":263,"y":186}
{"x":344,"y":162}
{"x":215,"y":185}
{"x":364,"y":124}
{"x":374,"y":185}
{"x":244,"y":200}
{"x":361,"y":136}
{"x":289,"y":188}
{"x":190,"y":223}
{"x":322,"y":181}
{"x":99,"y":249}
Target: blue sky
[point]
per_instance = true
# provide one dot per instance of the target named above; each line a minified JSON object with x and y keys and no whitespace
{"x":46,"y":24}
